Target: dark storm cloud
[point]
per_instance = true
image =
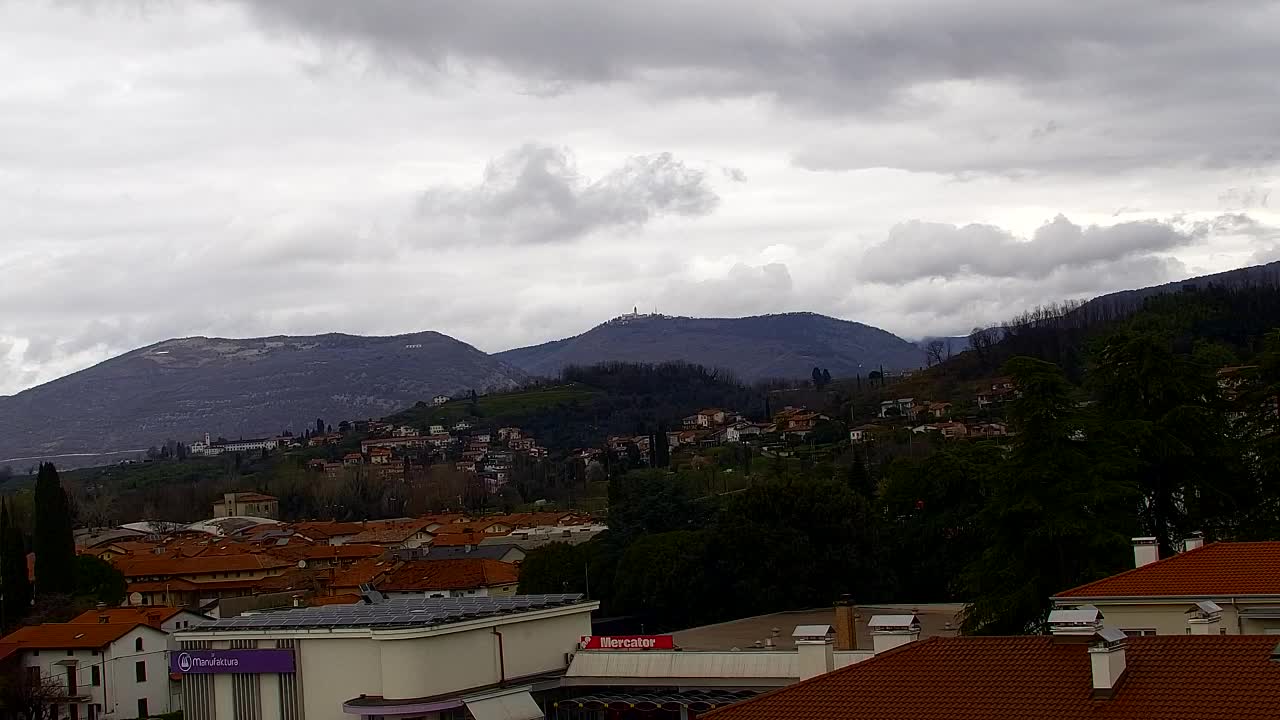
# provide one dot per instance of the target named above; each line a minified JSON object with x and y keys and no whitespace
{"x":536,"y":194}
{"x":915,"y":249}
{"x":1092,"y":86}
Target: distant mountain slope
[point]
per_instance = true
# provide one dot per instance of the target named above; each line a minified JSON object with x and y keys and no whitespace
{"x":1127,"y":301}
{"x":765,"y":346}
{"x":239,"y":388}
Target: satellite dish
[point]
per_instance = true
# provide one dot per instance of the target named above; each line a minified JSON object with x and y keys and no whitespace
{"x":302,"y":564}
{"x":135,"y":598}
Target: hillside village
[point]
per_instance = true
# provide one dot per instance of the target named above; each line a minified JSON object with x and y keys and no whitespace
{"x":799,"y":538}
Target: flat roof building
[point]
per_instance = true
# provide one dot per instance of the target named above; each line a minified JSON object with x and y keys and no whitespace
{"x":431,"y":658}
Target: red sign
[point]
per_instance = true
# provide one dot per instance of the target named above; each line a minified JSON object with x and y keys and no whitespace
{"x":628,"y":642}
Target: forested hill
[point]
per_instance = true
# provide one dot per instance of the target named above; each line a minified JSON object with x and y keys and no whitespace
{"x":788,"y":345}
{"x":1127,"y":301}
{"x":1221,"y":324}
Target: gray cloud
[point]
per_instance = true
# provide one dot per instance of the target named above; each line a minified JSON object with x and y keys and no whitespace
{"x":1007,"y":86}
{"x":918,"y":249}
{"x":536,"y":194}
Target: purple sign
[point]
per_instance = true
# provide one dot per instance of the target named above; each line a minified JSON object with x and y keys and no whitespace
{"x":192,"y":662}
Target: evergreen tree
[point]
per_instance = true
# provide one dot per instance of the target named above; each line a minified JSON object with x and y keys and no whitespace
{"x":14,"y":583}
{"x":826,"y":377}
{"x":768,"y":411}
{"x":53,"y":543}
{"x":1161,"y":407}
{"x":817,"y":378}
{"x":661,"y":449}
{"x":1059,"y":511}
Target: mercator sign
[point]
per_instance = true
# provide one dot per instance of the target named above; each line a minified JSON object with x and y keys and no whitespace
{"x":628,"y":642}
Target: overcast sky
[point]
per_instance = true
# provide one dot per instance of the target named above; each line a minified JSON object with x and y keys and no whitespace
{"x":513,"y":172}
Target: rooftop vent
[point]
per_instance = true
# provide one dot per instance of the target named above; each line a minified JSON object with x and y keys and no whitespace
{"x":1205,"y":616}
{"x":1107,"y":662}
{"x":1146,"y":550}
{"x":1083,"y":622}
{"x":891,"y":631}
{"x":1194,"y":541}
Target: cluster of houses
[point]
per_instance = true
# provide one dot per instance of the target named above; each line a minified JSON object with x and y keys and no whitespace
{"x":487,"y":454}
{"x":930,"y":417}
{"x":249,"y":561}
{"x":708,"y":428}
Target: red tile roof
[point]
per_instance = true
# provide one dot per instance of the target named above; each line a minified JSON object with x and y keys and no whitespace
{"x":152,"y":615}
{"x":1172,"y":677}
{"x":349,"y":551}
{"x":360,"y":572}
{"x":1217,"y":569}
{"x":455,"y":574}
{"x":459,"y":539}
{"x":68,"y":636}
{"x":146,"y":566}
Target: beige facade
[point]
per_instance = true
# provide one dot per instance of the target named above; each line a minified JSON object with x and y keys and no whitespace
{"x":1176,"y":616}
{"x":247,"y":504}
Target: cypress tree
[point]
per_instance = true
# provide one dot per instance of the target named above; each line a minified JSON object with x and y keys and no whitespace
{"x":53,"y":544}
{"x":661,"y":448}
{"x":14,"y":582}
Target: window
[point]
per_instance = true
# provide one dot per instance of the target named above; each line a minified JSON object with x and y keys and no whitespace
{"x":71,"y":653}
{"x":93,"y":711}
{"x":75,"y":711}
{"x":140,"y":670}
{"x":1139,"y":632}
{"x":33,"y":675}
{"x":95,"y":676}
{"x":142,"y":708}
{"x":137,"y":644}
{"x":93,"y":653}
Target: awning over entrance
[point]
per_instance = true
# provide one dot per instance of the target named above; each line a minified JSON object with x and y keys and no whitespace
{"x":508,"y":706}
{"x":699,"y":700}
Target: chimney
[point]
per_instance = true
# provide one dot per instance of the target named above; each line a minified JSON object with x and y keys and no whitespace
{"x":1205,"y":618}
{"x":846,"y":637}
{"x":814,"y":646}
{"x":1146,"y":550}
{"x":1106,"y":657}
{"x":1194,"y":541}
{"x":891,"y":631}
{"x":100,"y":606}
{"x":1082,"y":623}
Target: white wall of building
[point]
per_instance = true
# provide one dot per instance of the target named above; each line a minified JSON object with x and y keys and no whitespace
{"x":415,"y":663}
{"x":118,"y":690}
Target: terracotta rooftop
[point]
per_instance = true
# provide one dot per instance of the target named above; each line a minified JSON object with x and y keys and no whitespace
{"x":1217,"y":569}
{"x":69,"y":636}
{"x":392,"y":534}
{"x":1171,"y":677}
{"x":459,"y":539}
{"x":360,"y":572}
{"x":151,"y":615}
{"x":349,"y":551}
{"x":146,"y":566}
{"x":457,"y":574}
{"x":249,"y":497}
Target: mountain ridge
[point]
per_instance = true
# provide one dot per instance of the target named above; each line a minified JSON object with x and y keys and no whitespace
{"x":753,"y":347}
{"x":182,"y":387}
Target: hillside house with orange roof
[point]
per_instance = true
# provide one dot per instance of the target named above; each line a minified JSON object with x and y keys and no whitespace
{"x":1219,"y":588}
